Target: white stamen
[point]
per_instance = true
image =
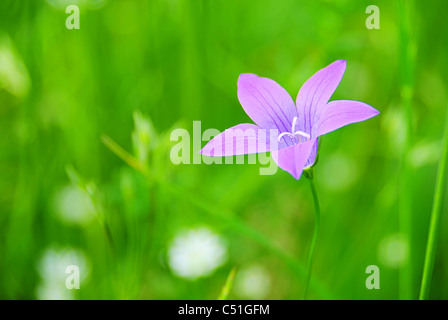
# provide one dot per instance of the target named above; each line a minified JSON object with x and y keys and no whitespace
{"x":294,"y":121}
{"x":303,"y":134}
{"x":285,"y":134}
{"x":293,"y":133}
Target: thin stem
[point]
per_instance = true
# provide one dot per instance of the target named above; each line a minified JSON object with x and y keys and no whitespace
{"x":434,"y":227}
{"x":314,"y":240}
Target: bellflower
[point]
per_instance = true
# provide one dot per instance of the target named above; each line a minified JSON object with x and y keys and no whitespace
{"x":297,"y":127}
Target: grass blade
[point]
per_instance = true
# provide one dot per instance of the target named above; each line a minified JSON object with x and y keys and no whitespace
{"x":434,"y":227}
{"x":227,"y":286}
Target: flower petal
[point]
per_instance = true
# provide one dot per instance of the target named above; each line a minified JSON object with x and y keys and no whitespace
{"x":293,"y":159}
{"x":339,"y":113}
{"x":266,"y":102}
{"x":243,"y":138}
{"x":313,"y":154}
{"x":316,"y":92}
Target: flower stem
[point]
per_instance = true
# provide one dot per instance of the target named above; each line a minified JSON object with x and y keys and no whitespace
{"x":434,"y":227}
{"x":314,"y":240}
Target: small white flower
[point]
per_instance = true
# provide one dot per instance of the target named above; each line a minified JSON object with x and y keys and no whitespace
{"x":52,"y":269}
{"x":52,"y":291}
{"x":74,"y":206}
{"x":253,"y":282}
{"x":196,"y":253}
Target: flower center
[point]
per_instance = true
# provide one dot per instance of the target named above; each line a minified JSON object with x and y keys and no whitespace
{"x":294,"y":135}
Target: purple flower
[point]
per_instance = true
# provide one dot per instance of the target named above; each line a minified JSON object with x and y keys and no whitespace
{"x":289,"y":131}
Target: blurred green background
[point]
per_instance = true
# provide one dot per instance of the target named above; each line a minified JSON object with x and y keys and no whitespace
{"x":86,"y":177}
